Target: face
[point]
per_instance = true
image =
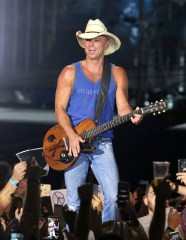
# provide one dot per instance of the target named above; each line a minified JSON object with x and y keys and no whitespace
{"x":95,"y":48}
{"x":149,"y":199}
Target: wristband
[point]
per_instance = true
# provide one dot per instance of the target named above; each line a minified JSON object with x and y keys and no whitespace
{"x":11,"y":180}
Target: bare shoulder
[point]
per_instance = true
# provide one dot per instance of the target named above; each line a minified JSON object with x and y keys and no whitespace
{"x":119,"y":73}
{"x":68,"y":70}
{"x":67,"y":73}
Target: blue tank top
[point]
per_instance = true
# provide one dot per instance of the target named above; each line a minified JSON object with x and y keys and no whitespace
{"x":83,"y":99}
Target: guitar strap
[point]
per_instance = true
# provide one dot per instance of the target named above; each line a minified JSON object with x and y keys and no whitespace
{"x":103,"y":90}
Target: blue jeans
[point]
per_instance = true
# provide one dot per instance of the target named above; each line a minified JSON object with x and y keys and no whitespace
{"x":104,"y":167}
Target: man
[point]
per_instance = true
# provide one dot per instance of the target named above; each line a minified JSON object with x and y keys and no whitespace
{"x":76,"y":95}
{"x":172,"y":218}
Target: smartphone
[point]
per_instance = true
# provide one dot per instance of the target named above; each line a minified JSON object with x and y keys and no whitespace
{"x":181,"y":164}
{"x":123,"y":193}
{"x":53,"y":227}
{"x":16,"y":236}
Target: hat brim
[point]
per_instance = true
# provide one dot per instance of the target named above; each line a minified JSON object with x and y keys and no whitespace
{"x":114,"y":42}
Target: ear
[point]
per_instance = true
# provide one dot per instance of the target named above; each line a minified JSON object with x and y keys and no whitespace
{"x":145,"y":201}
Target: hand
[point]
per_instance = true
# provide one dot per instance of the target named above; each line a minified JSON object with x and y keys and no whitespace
{"x":19,"y":171}
{"x":172,"y":185}
{"x":137,"y":117}
{"x":161,"y":188}
{"x":85,"y":192}
{"x":18,"y":214}
{"x":182,"y":176}
{"x":74,"y":144}
{"x":3,"y":223}
{"x":97,"y":204}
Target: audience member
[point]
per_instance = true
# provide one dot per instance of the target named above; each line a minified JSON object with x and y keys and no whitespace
{"x":11,"y":186}
{"x":32,"y":207}
{"x":150,"y":201}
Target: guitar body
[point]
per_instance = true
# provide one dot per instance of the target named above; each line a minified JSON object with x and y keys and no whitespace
{"x":55,"y":145}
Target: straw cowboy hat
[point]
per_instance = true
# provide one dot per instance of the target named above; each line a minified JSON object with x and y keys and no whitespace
{"x":94,"y":29}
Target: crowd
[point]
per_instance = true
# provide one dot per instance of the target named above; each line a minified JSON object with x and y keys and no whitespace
{"x":156,"y":211}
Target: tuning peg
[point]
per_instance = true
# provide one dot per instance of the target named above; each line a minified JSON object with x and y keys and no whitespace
{"x":154,"y":114}
{"x":159,"y":112}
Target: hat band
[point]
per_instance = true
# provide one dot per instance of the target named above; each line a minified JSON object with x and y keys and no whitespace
{"x":92,"y":32}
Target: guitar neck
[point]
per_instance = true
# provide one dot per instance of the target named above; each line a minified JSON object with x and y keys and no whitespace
{"x":157,"y":107}
{"x":111,"y":124}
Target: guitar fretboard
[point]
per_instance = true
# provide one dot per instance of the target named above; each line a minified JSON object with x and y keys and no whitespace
{"x":111,"y":124}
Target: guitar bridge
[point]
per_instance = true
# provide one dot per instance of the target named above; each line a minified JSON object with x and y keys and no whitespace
{"x":65,"y":158}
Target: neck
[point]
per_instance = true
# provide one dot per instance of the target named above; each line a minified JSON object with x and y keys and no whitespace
{"x":95,"y":67}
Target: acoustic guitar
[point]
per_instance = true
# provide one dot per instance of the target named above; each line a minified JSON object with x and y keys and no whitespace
{"x":55,"y":144}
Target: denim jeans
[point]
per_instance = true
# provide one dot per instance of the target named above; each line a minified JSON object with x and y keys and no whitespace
{"x":103,"y":164}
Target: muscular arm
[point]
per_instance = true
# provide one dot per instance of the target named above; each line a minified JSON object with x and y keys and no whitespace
{"x":122,"y":103}
{"x":121,"y":80}
{"x":5,"y":196}
{"x":63,"y":92}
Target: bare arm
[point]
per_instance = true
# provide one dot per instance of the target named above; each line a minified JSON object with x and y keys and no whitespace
{"x":9,"y":189}
{"x":63,"y":92}
{"x":122,"y":103}
{"x":181,"y":176}
{"x":178,"y":188}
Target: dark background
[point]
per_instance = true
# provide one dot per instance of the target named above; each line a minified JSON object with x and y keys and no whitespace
{"x":37,"y":39}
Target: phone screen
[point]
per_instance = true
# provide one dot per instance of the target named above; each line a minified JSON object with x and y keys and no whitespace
{"x":53,"y":227}
{"x":16,"y":236}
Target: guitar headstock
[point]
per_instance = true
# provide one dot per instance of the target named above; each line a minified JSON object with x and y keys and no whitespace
{"x":155,"y":108}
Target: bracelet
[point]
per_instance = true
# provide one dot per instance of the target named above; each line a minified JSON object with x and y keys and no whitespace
{"x":11,"y":180}
{"x":176,"y":187}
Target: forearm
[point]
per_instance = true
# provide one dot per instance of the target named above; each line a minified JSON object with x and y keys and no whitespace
{"x":64,"y":120}
{"x":181,"y":190}
{"x":158,"y":221}
{"x":178,"y":188}
{"x":5,"y":196}
{"x":124,"y":109}
{"x":133,"y":219}
{"x":83,"y":221}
